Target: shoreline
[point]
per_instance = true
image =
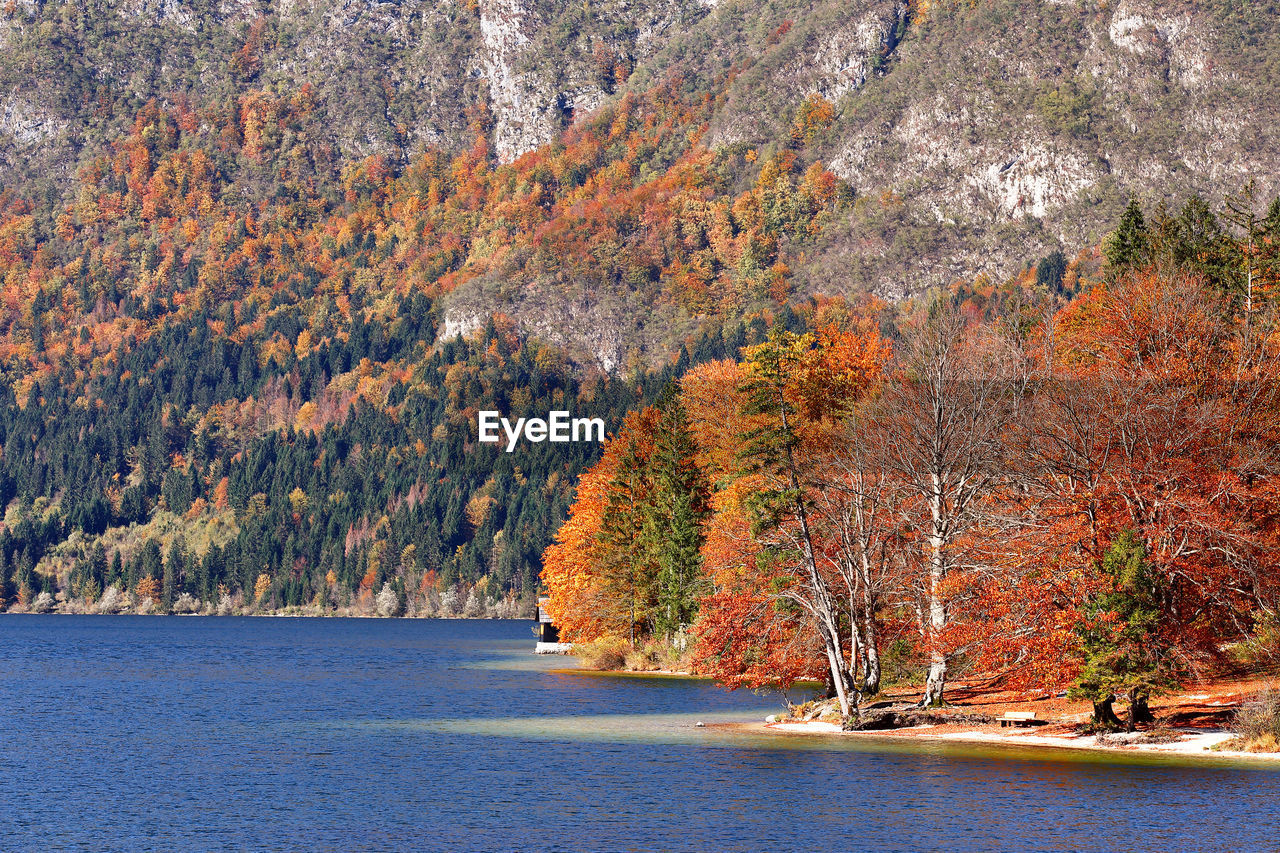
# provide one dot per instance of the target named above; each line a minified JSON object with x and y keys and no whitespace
{"x":1183,"y":735}
{"x":632,"y":673}
{"x":1193,"y":743}
{"x":1058,"y":734}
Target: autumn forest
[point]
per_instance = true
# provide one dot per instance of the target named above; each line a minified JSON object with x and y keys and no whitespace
{"x":671,"y":425}
{"x":229,"y":385}
{"x":1065,"y":484}
{"x":240,"y":373}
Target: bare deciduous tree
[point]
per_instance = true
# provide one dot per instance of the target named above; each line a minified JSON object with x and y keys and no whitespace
{"x":857,"y":507}
{"x":941,"y":427}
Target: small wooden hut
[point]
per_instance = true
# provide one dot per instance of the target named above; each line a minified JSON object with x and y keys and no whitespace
{"x":548,"y":634}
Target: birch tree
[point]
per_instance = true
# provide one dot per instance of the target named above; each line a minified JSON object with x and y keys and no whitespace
{"x":941,"y":427}
{"x":857,"y":507}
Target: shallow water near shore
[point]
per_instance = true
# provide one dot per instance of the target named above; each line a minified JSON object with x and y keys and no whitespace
{"x":340,"y":734}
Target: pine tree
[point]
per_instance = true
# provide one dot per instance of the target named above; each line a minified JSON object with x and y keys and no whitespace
{"x":1201,"y":246}
{"x":173,"y":570}
{"x":151,"y":566}
{"x":1050,"y":271}
{"x":675,"y":517}
{"x":1120,"y":641}
{"x":1129,"y":245}
{"x":24,"y":576}
{"x":1271,"y":222}
{"x":116,"y":572}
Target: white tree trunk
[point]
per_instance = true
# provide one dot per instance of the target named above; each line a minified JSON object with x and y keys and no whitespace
{"x":937,"y":680}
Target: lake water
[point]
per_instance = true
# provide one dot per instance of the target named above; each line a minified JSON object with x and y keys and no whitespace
{"x":155,"y":733}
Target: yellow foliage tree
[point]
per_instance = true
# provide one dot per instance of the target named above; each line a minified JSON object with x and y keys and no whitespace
{"x":261,"y":587}
{"x":148,"y":587}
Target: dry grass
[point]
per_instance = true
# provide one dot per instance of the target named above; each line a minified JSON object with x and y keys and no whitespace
{"x":654,"y":655}
{"x":1160,"y":734}
{"x":1261,"y":743}
{"x":643,"y":659}
{"x":605,"y":654}
{"x":1257,"y":724}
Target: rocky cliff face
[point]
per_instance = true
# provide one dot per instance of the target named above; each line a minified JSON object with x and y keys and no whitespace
{"x":980,"y":136}
{"x":392,"y":77}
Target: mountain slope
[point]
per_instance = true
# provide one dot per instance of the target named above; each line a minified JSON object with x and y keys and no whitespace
{"x":979,"y":135}
{"x":240,"y":243}
{"x":389,"y":78}
{"x":975,"y":136}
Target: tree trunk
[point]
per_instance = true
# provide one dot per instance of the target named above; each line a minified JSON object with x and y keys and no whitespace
{"x":821,"y":605}
{"x":870,"y":639}
{"x":857,"y":653}
{"x":871,"y":661}
{"x":1139,"y":710}
{"x":937,"y":682}
{"x":1104,"y":715}
{"x":837,"y":673}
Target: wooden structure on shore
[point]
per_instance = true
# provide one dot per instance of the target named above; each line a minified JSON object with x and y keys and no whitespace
{"x":548,"y":634}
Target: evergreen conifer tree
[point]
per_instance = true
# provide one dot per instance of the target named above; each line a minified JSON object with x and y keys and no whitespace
{"x":174,"y":565}
{"x":1120,"y":641}
{"x":675,"y":516}
{"x":1129,"y":245}
{"x":1201,"y":246}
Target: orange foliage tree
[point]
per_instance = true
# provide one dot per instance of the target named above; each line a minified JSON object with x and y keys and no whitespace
{"x":582,"y":599}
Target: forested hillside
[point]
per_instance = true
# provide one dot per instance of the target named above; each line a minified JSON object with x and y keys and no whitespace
{"x":969,"y":130}
{"x":261,"y":264}
{"x":278,"y":372}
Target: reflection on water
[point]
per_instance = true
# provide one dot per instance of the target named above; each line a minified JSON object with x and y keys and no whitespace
{"x":285,"y":734}
{"x":670,"y":729}
{"x":727,"y":730}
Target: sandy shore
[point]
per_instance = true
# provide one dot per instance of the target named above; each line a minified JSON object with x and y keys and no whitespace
{"x":1193,"y":742}
{"x":1199,"y":716}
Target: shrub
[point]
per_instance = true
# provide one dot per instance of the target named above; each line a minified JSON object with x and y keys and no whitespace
{"x":1067,"y":110}
{"x":607,"y":653}
{"x":673,"y":658}
{"x":658,"y":653}
{"x":1257,"y":723}
{"x":642,"y":659}
{"x":187,"y":603}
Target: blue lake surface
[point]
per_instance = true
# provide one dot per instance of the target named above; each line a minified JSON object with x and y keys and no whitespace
{"x":167,"y":733}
